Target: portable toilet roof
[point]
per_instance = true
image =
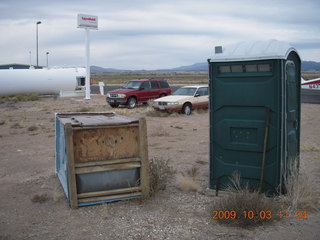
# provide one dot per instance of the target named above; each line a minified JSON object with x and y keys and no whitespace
{"x":249,"y":51}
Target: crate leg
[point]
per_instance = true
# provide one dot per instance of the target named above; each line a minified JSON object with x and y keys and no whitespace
{"x":144,"y":172}
{"x":70,"y":166}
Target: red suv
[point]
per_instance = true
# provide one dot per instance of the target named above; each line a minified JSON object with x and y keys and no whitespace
{"x":138,"y":91}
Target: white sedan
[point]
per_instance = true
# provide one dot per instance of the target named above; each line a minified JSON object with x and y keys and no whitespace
{"x":184,"y":100}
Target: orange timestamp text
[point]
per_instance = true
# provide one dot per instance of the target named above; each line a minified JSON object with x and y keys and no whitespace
{"x":261,"y":215}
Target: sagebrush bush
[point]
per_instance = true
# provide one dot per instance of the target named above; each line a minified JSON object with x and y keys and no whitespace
{"x":160,"y":172}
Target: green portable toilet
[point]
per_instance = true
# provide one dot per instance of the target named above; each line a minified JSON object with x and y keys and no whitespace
{"x":254,"y":114}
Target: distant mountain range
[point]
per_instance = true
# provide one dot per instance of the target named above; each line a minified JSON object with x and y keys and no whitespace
{"x":197,"y":67}
{"x":310,"y":66}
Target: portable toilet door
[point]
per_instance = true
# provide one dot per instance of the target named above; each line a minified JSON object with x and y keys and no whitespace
{"x":254,"y":114}
{"x":292,"y":111}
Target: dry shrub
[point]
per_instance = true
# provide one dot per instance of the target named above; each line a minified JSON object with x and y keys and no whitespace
{"x":17,"y":125}
{"x":146,"y":110}
{"x":187,"y":184}
{"x":32,"y":128}
{"x":185,"y":181}
{"x":42,"y":198}
{"x":24,"y":97}
{"x":201,"y":162}
{"x":57,"y":196}
{"x":160,"y":172}
{"x":83,"y":109}
{"x":201,"y":111}
{"x":193,"y":171}
{"x":300,"y":192}
{"x":123,"y":110}
{"x":305,"y":148}
{"x":241,"y":200}
{"x":156,"y":113}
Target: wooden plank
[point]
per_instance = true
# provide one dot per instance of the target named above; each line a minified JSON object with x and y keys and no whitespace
{"x":119,"y":196}
{"x":104,"y":168}
{"x":70,"y":166}
{"x":106,"y":143}
{"x":143,"y":150}
{"x":106,"y":162}
{"x":106,"y":126}
{"x":109,"y":192}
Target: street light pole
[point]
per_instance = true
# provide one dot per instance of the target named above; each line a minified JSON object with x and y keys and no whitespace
{"x":30,"y":58}
{"x":39,"y":22}
{"x":47,"y":59}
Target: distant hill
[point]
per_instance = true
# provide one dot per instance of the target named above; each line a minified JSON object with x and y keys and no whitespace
{"x":193,"y":67}
{"x":199,"y":67}
{"x":96,"y":69}
{"x":310,"y":66}
{"x":306,"y":66}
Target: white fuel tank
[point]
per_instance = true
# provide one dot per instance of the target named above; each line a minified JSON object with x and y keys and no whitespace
{"x":41,"y":81}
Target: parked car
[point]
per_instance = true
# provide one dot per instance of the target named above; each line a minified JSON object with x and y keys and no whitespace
{"x":138,"y":91}
{"x":184,"y":100}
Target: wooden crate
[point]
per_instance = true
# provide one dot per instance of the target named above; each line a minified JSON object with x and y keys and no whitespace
{"x":101,"y":157}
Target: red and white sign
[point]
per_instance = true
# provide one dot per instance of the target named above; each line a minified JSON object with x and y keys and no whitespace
{"x":87,"y":21}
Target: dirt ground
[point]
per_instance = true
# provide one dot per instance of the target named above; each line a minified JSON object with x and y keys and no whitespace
{"x":33,"y":206}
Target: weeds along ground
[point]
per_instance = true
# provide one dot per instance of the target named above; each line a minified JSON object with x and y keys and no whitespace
{"x":246,"y":208}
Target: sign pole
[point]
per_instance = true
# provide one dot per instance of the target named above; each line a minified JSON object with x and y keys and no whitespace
{"x":87,"y":64}
{"x":87,"y":22}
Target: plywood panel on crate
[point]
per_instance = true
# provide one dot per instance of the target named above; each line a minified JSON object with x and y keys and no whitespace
{"x":106,"y":143}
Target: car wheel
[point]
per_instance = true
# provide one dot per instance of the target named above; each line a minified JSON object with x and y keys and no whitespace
{"x":132,"y":102}
{"x":114,"y":105}
{"x":186,"y":109}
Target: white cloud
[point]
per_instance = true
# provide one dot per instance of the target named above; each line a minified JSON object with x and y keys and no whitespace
{"x":152,"y":35}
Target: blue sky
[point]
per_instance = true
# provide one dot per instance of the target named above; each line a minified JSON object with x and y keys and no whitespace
{"x":145,"y":34}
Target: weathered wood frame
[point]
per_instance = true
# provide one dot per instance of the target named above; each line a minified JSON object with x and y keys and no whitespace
{"x":74,"y":167}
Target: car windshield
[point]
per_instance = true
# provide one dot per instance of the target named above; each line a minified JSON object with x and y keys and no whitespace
{"x":185,"y":91}
{"x":132,"y":85}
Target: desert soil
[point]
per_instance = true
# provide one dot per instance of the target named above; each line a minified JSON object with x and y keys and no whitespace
{"x":33,"y":206}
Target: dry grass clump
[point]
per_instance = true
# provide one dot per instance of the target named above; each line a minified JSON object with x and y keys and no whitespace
{"x":306,"y":148}
{"x":199,"y":161}
{"x":243,"y":207}
{"x":160,"y":172}
{"x":57,"y":196}
{"x":83,"y":109}
{"x":187,"y":184}
{"x":185,"y":181}
{"x":41,"y":198}
{"x":32,"y":128}
{"x":23,"y":97}
{"x":299,"y":195}
{"x":201,"y":110}
{"x":145,"y":109}
{"x":155,"y":113}
{"x":300,"y":192}
{"x":17,"y":125}
{"x":140,"y":109}
{"x":193,"y":171}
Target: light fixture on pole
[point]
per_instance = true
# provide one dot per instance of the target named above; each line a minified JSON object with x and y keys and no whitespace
{"x":39,"y":22}
{"x":47,"y":53}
